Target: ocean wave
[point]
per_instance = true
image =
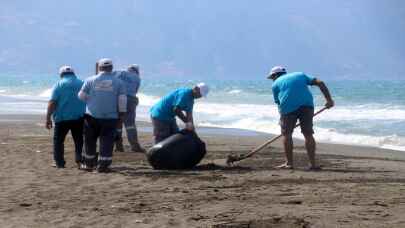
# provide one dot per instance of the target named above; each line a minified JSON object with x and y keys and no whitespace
{"x":46,"y":93}
{"x":325,"y":135}
{"x":235,"y":91}
{"x":264,"y":118}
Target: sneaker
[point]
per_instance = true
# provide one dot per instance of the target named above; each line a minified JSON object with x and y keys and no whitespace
{"x":119,"y":147}
{"x":57,"y":166}
{"x":138,"y":149}
{"x":102,"y":169}
{"x":86,"y":167}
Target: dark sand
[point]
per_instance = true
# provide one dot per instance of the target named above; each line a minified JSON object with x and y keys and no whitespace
{"x":358,"y":187}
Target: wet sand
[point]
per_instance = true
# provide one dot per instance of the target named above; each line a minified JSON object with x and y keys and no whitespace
{"x":358,"y":187}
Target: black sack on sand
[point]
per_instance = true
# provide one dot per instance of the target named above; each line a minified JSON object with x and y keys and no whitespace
{"x":183,"y":150}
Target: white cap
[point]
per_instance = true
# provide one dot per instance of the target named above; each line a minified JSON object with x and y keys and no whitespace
{"x":203,"y":89}
{"x":275,"y":70}
{"x":133,"y":68}
{"x":105,"y":62}
{"x":66,"y":69}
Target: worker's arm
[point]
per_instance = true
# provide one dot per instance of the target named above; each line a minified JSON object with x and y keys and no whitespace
{"x":325,"y":91}
{"x":50,"y":110}
{"x":187,"y":119}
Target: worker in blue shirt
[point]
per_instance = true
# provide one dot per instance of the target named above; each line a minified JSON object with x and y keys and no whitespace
{"x":295,"y":101}
{"x":106,"y":103}
{"x":67,"y":112}
{"x":178,"y":103}
{"x":132,"y":81}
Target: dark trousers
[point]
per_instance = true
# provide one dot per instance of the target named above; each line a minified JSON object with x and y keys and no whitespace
{"x":163,"y":129}
{"x":60,"y":131}
{"x":130,"y":124}
{"x":105,"y":130}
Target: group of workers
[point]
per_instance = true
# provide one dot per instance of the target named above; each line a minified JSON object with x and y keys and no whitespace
{"x":96,"y":109}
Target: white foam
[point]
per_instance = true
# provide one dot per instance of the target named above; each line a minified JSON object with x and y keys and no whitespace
{"x":46,"y":93}
{"x":147,"y":100}
{"x":264,"y":118}
{"x":235,"y":91}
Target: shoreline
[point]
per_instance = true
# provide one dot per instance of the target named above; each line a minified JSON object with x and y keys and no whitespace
{"x":145,"y":127}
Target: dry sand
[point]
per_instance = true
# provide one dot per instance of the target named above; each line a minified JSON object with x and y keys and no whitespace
{"x":359,"y":187}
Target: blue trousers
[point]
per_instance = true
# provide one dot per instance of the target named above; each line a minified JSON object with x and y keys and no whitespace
{"x":103,"y":130}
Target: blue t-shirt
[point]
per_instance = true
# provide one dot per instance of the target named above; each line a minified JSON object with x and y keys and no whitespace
{"x":64,"y":94}
{"x":131,"y":80}
{"x":102,"y":92}
{"x":164,"y":109}
{"x":290,"y":91}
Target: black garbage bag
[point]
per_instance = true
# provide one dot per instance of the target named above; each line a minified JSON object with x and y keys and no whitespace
{"x":183,"y":150}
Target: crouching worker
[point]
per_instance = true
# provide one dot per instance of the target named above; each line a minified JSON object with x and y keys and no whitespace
{"x":67,"y":111}
{"x":178,"y":103}
{"x":132,"y":81}
{"x":106,"y":102}
{"x":176,"y":149}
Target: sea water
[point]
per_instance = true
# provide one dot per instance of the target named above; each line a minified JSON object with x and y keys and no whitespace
{"x":369,"y":113}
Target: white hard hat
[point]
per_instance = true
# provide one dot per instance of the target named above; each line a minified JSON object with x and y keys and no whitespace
{"x":105,"y":62}
{"x":66,"y":69}
{"x":203,"y":89}
{"x":275,"y":70}
{"x":133,"y":67}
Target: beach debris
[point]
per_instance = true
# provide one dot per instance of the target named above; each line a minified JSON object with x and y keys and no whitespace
{"x":38,"y":151}
{"x":25,"y":204}
{"x":382,"y":204}
{"x":293,"y":202}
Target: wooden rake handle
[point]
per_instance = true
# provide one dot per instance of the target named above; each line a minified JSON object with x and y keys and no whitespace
{"x":232,"y":159}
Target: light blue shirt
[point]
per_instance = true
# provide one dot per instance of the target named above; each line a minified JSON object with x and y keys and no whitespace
{"x":164,"y":109}
{"x":102,"y":92}
{"x":290,"y":92}
{"x":131,"y":80}
{"x":64,"y":94}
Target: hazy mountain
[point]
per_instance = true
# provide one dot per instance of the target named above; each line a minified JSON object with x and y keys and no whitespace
{"x":206,"y":38}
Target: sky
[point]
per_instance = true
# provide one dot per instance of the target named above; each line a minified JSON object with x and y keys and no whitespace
{"x":186,"y":39}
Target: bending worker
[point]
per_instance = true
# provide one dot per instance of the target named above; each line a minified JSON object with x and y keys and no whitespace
{"x":178,"y":103}
{"x":132,"y":81}
{"x":295,"y":101}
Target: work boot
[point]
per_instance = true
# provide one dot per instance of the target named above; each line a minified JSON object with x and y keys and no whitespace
{"x":137,"y":148}
{"x":119,"y":146}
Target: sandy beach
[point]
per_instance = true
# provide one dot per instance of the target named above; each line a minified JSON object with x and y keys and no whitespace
{"x":358,"y":186}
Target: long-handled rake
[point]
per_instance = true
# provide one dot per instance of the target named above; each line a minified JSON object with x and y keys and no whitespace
{"x":235,"y":158}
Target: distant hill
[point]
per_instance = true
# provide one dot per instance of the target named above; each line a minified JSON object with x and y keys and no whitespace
{"x":199,"y":39}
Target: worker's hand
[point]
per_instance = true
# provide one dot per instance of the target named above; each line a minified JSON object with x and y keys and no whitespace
{"x":122,"y":116}
{"x":136,"y":101}
{"x":48,"y":124}
{"x":190,"y":126}
{"x":330,"y":103}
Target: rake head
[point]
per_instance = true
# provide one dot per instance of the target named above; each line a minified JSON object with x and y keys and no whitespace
{"x":234,"y":158}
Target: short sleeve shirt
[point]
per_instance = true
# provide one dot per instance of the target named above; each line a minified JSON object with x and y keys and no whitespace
{"x":64,"y":94}
{"x":131,"y":80}
{"x":164,"y":109}
{"x":103,"y":91}
{"x":290,"y":92}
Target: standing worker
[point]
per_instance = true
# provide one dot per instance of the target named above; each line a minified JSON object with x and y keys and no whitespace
{"x":178,"y":103}
{"x":106,"y":102}
{"x":67,"y":111}
{"x":295,"y":101}
{"x":132,"y":81}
